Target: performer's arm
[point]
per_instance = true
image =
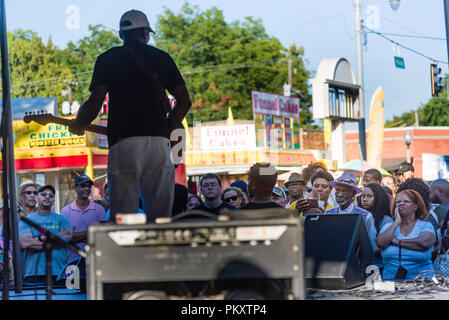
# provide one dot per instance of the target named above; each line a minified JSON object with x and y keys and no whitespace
{"x":89,"y":110}
{"x":183,"y":104}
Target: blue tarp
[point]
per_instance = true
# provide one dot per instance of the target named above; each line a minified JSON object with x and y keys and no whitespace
{"x":21,"y":105}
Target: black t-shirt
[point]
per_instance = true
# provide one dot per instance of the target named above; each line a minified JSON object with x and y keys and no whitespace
{"x":257,"y":206}
{"x":133,"y":107}
{"x":216,"y":210}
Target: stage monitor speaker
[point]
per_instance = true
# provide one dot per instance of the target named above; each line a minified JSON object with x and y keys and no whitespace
{"x":248,"y":255}
{"x":337,"y":251}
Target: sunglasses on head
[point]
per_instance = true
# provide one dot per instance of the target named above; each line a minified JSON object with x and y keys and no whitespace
{"x":30,"y":192}
{"x":233,"y":198}
{"x":47,"y":194}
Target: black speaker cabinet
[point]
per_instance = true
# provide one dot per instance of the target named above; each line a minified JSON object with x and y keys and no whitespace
{"x":337,"y":251}
{"x":251,"y":257}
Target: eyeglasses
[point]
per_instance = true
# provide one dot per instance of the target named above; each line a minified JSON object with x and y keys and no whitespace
{"x":233,"y":198}
{"x":46,"y":194}
{"x":30,"y":192}
{"x":212,"y":185}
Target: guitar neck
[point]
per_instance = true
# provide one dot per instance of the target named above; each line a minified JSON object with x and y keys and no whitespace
{"x":90,"y":127}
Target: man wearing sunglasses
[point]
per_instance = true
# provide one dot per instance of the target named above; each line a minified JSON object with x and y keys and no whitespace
{"x":33,"y":242}
{"x":27,"y":197}
{"x":82,"y":213}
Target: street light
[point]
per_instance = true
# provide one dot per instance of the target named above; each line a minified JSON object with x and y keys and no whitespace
{"x":408,"y":141}
{"x":394,"y":4}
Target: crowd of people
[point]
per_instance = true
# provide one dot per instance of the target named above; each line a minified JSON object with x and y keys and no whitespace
{"x":406,"y":222}
{"x":405,"y":217}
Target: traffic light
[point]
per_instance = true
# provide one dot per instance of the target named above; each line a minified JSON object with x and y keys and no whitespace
{"x":436,"y":80}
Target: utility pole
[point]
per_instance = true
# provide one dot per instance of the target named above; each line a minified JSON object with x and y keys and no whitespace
{"x":360,"y":82}
{"x":446,"y":19}
{"x":69,"y":92}
{"x":290,"y":79}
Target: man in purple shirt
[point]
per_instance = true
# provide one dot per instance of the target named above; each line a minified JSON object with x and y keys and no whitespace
{"x":82,"y":213}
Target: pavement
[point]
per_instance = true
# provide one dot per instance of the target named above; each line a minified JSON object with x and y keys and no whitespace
{"x":407,"y":290}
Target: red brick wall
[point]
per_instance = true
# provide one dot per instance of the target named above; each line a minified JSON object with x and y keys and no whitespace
{"x":425,"y":140}
{"x":311,"y":139}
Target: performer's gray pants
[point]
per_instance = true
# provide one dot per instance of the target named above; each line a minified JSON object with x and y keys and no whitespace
{"x":141,"y":166}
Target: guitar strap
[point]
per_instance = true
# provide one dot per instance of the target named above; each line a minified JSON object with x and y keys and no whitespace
{"x":146,"y":66}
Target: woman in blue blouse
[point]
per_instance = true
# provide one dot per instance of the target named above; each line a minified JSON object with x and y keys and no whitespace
{"x":407,"y":242}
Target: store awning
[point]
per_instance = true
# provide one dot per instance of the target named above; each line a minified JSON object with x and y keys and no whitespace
{"x":221,"y":170}
{"x":57,"y":157}
{"x":247,"y":157}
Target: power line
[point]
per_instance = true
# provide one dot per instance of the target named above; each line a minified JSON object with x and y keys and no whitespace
{"x":405,"y":47}
{"x":212,"y":45}
{"x":50,"y":79}
{"x":412,"y":36}
{"x":399,"y":25}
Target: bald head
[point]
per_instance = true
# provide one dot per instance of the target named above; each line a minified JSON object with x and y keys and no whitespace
{"x":439,"y":192}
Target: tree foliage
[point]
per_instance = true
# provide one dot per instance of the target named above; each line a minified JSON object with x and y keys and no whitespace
{"x":35,"y":70}
{"x":223,"y":62}
{"x":434,"y":113}
{"x":43,"y":70}
{"x":80,"y":57}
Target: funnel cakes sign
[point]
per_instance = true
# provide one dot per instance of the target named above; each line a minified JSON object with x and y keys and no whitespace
{"x":237,"y":137}
{"x":275,"y":105}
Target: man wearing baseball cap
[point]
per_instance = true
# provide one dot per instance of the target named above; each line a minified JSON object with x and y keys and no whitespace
{"x":345,"y":191}
{"x":136,"y":76}
{"x":82,"y":213}
{"x":33,"y":242}
{"x":279,"y":196}
{"x":405,"y":171}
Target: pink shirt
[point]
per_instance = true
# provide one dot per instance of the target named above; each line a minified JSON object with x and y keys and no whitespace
{"x":81,"y":220}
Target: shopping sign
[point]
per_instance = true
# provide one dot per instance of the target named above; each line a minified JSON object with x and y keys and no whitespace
{"x":228,"y":137}
{"x":275,"y":104}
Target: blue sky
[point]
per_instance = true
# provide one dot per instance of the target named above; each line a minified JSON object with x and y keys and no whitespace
{"x":324,"y":28}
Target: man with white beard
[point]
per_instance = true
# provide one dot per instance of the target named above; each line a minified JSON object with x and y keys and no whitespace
{"x":345,"y":192}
